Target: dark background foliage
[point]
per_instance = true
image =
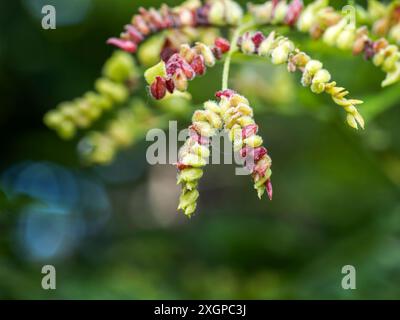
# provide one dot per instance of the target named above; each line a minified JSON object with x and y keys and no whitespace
{"x":113,"y":231}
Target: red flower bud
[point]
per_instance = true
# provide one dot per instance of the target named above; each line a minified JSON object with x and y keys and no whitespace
{"x":257,"y":38}
{"x":158,"y":88}
{"x":225,"y":93}
{"x":249,"y":130}
{"x":175,"y":63}
{"x":259,"y":153}
{"x":222,"y":44}
{"x":181,"y":166}
{"x":170,"y":85}
{"x":217,"y":53}
{"x":198,"y":65}
{"x":126,"y":45}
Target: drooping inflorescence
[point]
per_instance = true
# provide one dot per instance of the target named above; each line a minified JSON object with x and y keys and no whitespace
{"x":191,"y":13}
{"x":238,"y":118}
{"x":195,"y":152}
{"x":113,"y":88}
{"x":234,"y":114}
{"x":281,"y":50}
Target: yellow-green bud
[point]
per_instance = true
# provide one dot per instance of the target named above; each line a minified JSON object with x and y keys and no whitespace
{"x":159,"y":70}
{"x":253,"y":141}
{"x":346,"y":38}
{"x":332,"y":33}
{"x":115,"y":91}
{"x":313,"y":66}
{"x":190,"y":175}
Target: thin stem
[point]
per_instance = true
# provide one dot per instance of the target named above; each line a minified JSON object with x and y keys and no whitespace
{"x":233,"y":49}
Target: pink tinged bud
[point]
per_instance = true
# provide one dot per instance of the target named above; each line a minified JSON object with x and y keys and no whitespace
{"x":126,"y":45}
{"x":294,"y":11}
{"x":249,"y":130}
{"x":259,"y":153}
{"x":134,"y":34}
{"x":222,"y":44}
{"x":141,"y":25}
{"x":196,"y":136}
{"x":261,"y":168}
{"x":198,"y":65}
{"x":228,"y":93}
{"x":158,"y":88}
{"x":269,"y":188}
{"x":175,"y":63}
{"x":257,"y":38}
{"x":170,"y":85}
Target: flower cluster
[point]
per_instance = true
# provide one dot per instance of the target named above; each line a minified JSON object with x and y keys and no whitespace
{"x":385,"y":19}
{"x":194,"y":154}
{"x":277,"y":12}
{"x":234,"y":114}
{"x":283,"y":51}
{"x":323,"y":21}
{"x":238,"y":119}
{"x":174,"y":74}
{"x":190,"y":14}
{"x":119,"y":75}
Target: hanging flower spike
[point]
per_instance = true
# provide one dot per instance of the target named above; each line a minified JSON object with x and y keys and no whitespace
{"x":189,"y":14}
{"x":237,"y":116}
{"x":194,"y":154}
{"x":183,"y":66}
{"x":118,"y":75}
{"x":283,"y":51}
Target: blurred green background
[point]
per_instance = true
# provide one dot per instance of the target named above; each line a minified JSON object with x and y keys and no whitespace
{"x":113,"y":231}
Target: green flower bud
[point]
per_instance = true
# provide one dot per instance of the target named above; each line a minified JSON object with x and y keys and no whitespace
{"x":254,"y":141}
{"x":332,"y":33}
{"x":395,"y":33}
{"x":245,"y":121}
{"x":317,"y":87}
{"x":152,"y":73}
{"x":190,"y":175}
{"x":66,"y":130}
{"x":234,"y":13}
{"x":351,"y":121}
{"x":280,"y":12}
{"x":53,"y":119}
{"x":307,"y":18}
{"x":119,"y":67}
{"x":212,"y":106}
{"x":187,"y":199}
{"x":207,"y":54}
{"x":217,"y":13}
{"x":346,"y":38}
{"x":205,"y":129}
{"x":149,"y":52}
{"x":193,"y":160}
{"x":200,"y":150}
{"x":280,"y":55}
{"x":266,"y":45}
{"x":313,"y":66}
{"x":322,"y":76}
{"x":115,"y":91}
{"x":393,"y":76}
